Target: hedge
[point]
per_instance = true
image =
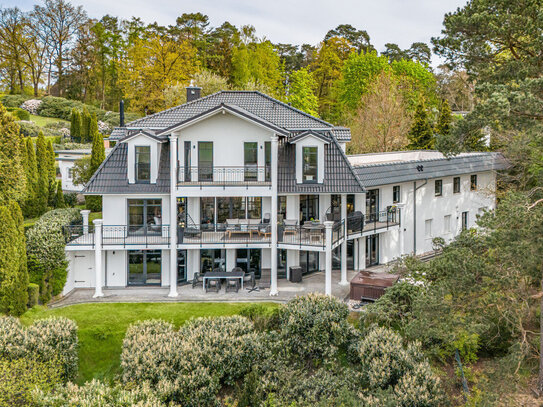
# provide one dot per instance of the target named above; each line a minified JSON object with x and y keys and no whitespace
{"x":45,"y":244}
{"x":52,"y":339}
{"x":14,"y":100}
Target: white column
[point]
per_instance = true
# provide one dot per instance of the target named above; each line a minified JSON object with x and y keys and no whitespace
{"x":328,"y":268}
{"x":401,"y":236}
{"x":98,"y":257}
{"x":85,"y":214}
{"x":355,"y":254}
{"x":273,"y":209}
{"x":344,"y":244}
{"x":173,"y":216}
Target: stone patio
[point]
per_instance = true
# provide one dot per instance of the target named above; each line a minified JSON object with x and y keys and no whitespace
{"x":287,"y":290}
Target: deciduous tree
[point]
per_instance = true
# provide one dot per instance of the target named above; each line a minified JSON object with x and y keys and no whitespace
{"x":301,"y":92}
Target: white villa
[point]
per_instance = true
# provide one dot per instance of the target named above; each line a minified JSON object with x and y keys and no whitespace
{"x":239,"y":180}
{"x":66,"y":160}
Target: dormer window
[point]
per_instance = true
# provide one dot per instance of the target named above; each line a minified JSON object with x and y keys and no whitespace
{"x":310,"y":164}
{"x":143,"y":164}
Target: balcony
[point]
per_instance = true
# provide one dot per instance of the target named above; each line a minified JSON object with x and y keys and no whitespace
{"x":122,"y":235}
{"x":311,"y":234}
{"x":357,"y":223}
{"x":224,"y":176}
{"x":223,"y":233}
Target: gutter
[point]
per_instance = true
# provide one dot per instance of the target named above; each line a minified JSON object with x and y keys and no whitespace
{"x":415,"y":189}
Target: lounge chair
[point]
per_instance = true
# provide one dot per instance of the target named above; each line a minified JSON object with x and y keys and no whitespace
{"x":290,"y":226}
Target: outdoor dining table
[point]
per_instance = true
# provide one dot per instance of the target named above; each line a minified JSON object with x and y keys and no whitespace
{"x":223,"y":274}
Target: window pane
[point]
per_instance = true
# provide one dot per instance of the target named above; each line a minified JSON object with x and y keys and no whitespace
{"x":438,"y":187}
{"x":205,"y":160}
{"x":254,"y":207}
{"x":143,"y":163}
{"x":309,"y":164}
{"x":250,"y":160}
{"x":456,"y":185}
{"x":207,"y":212}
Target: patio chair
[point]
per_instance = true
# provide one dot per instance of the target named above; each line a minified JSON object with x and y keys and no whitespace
{"x":197,"y":280}
{"x":232,"y":285}
{"x":290,"y":226}
{"x":249,"y":281}
{"x":236,"y":269}
{"x":217,"y":270}
{"x":213,"y":284}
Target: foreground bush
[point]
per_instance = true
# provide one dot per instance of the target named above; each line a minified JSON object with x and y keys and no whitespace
{"x":53,"y":339}
{"x":20,"y":377}
{"x":96,"y":394}
{"x":45,"y":244}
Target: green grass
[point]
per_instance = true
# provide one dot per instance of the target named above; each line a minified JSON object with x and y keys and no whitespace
{"x":42,"y":121}
{"x":101,"y":327}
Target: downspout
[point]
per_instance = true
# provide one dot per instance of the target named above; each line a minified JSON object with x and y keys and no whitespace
{"x":415,"y":189}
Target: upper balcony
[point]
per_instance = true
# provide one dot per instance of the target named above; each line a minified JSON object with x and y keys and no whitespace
{"x":222,"y":176}
{"x":359,"y":224}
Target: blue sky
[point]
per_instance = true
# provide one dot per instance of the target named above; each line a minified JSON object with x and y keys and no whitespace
{"x":293,"y":21}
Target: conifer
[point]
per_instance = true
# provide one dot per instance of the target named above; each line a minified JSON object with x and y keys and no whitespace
{"x":421,"y":135}
{"x":59,"y":201}
{"x":42,"y":164}
{"x":75,"y":125}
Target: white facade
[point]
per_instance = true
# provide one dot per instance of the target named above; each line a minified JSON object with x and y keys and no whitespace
{"x":237,"y":218}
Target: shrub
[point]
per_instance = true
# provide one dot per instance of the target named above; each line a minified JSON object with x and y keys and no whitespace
{"x":419,"y":388}
{"x":31,"y":129}
{"x":13,"y":100}
{"x":18,"y":113}
{"x":70,"y":199}
{"x":45,"y":248}
{"x":263,"y":318}
{"x":60,"y":108}
{"x":93,"y":203}
{"x":20,"y":377}
{"x":31,"y":106}
{"x":314,"y":326}
{"x":33,"y":294}
{"x":53,"y":339}
{"x":96,"y":394}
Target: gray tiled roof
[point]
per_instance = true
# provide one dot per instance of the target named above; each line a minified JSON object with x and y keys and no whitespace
{"x":112,"y":176}
{"x":339,"y":177}
{"x":258,"y":104}
{"x":371,"y":175}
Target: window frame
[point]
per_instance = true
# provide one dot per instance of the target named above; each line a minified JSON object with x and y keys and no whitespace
{"x":473,"y":182}
{"x":396,"y":190}
{"x":438,"y":191}
{"x":137,"y":163}
{"x":457,"y":182}
{"x":316,"y":166}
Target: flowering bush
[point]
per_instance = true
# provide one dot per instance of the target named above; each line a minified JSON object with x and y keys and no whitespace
{"x":314,"y":326}
{"x":45,"y":340}
{"x":103,"y":127}
{"x":97,"y":394}
{"x":31,"y":106}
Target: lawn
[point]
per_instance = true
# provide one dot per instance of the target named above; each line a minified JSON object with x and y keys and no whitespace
{"x":42,"y":121}
{"x":101,"y":327}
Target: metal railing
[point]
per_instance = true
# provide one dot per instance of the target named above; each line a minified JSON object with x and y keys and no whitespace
{"x":338,"y":231}
{"x":118,"y":235}
{"x":307,"y":234}
{"x":213,"y":175}
{"x":223,"y":233}
{"x":358,"y":223}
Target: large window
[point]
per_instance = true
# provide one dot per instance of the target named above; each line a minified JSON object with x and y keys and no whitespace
{"x":281,"y":208}
{"x":438,"y":187}
{"x":249,"y":260}
{"x":205,"y":161}
{"x":464,"y":220}
{"x":207,"y":213}
{"x":144,"y":267}
{"x":267,"y":160}
{"x":230,"y":208}
{"x":309,"y":207}
{"x":456,"y":185}
{"x":250,"y":154}
{"x":144,"y":216}
{"x":143,"y":164}
{"x":372,"y":205}
{"x":211,"y":259}
{"x":310,"y":164}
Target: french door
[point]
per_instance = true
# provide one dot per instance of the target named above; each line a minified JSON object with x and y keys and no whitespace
{"x":144,"y":267}
{"x":372,"y":250}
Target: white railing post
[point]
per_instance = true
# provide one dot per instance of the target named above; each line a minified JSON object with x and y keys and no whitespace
{"x":273,"y":210}
{"x":98,"y":223}
{"x":173,"y":216}
{"x":343,"y":280}
{"x":85,"y":215}
{"x":328,"y":267}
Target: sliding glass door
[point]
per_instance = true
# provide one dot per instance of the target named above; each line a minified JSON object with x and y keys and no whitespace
{"x":249,"y":260}
{"x":211,"y":259}
{"x":309,"y":207}
{"x":144,"y":267}
{"x":144,"y":216}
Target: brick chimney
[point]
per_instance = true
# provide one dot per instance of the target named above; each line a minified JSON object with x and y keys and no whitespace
{"x":193,"y":92}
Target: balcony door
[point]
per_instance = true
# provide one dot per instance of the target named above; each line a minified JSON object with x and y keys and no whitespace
{"x":144,"y":216}
{"x":250,"y":157}
{"x":309,"y":207}
{"x":249,"y":260}
{"x":372,"y":205}
{"x":205,"y":161}
{"x":144,"y":267}
{"x":372,"y":250}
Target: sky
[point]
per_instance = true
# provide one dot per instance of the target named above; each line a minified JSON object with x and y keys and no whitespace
{"x":291,"y":21}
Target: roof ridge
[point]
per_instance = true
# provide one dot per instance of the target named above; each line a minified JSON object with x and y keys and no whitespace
{"x":424,"y":160}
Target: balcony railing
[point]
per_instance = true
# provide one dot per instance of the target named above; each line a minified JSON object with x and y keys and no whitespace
{"x":358,"y":223}
{"x":232,"y":176}
{"x":221,"y":233}
{"x":118,"y":235}
{"x":308,"y":234}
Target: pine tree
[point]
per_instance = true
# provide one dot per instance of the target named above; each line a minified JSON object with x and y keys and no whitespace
{"x":12,"y":185}
{"x":85,"y":126}
{"x":98,"y":154}
{"x":59,"y":201}
{"x":421,"y":135}
{"x":13,"y":272}
{"x":51,"y":163}
{"x":42,"y":164}
{"x":444,"y":121}
{"x":75,"y":125}
{"x":93,"y":127}
{"x":31,"y":169}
